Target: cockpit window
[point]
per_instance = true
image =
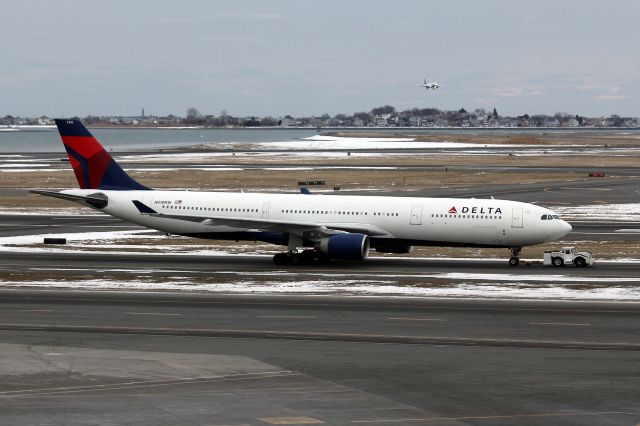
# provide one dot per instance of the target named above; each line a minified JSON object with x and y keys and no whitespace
{"x":549,"y":217}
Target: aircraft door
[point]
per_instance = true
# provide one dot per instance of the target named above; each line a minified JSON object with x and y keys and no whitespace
{"x":516,"y":218}
{"x":265,"y":210}
{"x":416,"y":215}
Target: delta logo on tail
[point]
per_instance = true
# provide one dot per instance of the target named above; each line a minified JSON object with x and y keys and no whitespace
{"x":93,"y":166}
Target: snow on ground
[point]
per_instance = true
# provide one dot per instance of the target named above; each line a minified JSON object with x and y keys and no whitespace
{"x":22,"y":165}
{"x":610,"y":212}
{"x":109,"y":242}
{"x":450,"y":284}
{"x":326,"y":138}
{"x":200,"y":156}
{"x":352,"y":287}
{"x":33,"y":170}
{"x":305,"y":150}
{"x":337,"y":142}
{"x":39,"y":211}
{"x":214,"y":168}
{"x":28,"y":127}
{"x":79,"y":236}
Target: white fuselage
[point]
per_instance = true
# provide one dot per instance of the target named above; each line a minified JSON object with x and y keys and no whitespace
{"x":418,"y":221}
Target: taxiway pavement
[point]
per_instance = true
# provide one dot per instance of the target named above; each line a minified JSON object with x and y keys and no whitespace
{"x":173,"y":358}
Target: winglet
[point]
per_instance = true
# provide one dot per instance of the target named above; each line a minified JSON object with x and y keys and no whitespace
{"x":305,"y":190}
{"x":143,"y":208}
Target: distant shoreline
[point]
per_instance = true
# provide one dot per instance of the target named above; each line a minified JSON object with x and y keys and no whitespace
{"x":44,"y":128}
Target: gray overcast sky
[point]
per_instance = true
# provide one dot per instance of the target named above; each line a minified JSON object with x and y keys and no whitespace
{"x":65,"y":58}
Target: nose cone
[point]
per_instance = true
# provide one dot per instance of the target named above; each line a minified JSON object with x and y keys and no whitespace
{"x":564,"y":228}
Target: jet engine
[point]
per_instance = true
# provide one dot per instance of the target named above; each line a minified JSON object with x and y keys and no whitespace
{"x":346,"y":246}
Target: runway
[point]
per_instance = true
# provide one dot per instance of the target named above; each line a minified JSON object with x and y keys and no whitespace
{"x":167,"y":358}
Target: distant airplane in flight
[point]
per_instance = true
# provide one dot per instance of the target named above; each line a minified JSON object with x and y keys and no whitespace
{"x":331,"y":226}
{"x":429,"y":85}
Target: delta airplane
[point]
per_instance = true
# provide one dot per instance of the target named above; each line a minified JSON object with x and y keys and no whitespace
{"x":329,"y":226}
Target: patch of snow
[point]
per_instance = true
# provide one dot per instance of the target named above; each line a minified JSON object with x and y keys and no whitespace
{"x":611,"y":212}
{"x":324,"y":138}
{"x":33,"y":170}
{"x":557,"y":278}
{"x":333,"y":143}
{"x":351,"y":287}
{"x":446,"y":284}
{"x":23,"y":165}
{"x":43,"y":211}
{"x":79,"y":236}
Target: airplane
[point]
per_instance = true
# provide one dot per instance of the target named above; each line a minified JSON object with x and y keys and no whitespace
{"x":431,"y":85}
{"x":324,"y":227}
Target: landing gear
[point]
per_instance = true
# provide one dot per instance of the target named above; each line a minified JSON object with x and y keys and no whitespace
{"x":281,"y":258}
{"x":514,"y":260}
{"x":299,"y":258}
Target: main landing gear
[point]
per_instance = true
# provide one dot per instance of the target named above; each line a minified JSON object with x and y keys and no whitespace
{"x":514,"y":260}
{"x":300,"y":258}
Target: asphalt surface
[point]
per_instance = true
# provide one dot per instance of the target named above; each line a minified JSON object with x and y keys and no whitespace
{"x":130,"y":357}
{"x":164,"y":359}
{"x":89,"y":357}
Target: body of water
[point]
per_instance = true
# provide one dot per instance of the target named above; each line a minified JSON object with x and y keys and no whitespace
{"x":144,"y":139}
{"x":140,"y":139}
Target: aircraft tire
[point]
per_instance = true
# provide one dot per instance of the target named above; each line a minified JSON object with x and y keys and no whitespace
{"x":280,"y":259}
{"x":308,"y":256}
{"x":514,"y":261}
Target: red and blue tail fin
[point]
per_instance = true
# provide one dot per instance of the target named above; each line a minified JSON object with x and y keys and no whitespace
{"x":93,"y":166}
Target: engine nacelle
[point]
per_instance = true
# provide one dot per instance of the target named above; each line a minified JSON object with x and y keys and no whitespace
{"x":346,"y":246}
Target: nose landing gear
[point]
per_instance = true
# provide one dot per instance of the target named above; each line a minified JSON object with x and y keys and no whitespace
{"x":514,"y":260}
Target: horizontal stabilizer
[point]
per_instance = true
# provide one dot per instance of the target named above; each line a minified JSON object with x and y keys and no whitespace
{"x":97,"y":200}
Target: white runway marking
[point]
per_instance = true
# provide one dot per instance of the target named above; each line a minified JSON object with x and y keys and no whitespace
{"x":287,"y":316}
{"x":562,"y":324}
{"x":148,"y":383}
{"x":155,"y":313}
{"x":415,"y":319}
